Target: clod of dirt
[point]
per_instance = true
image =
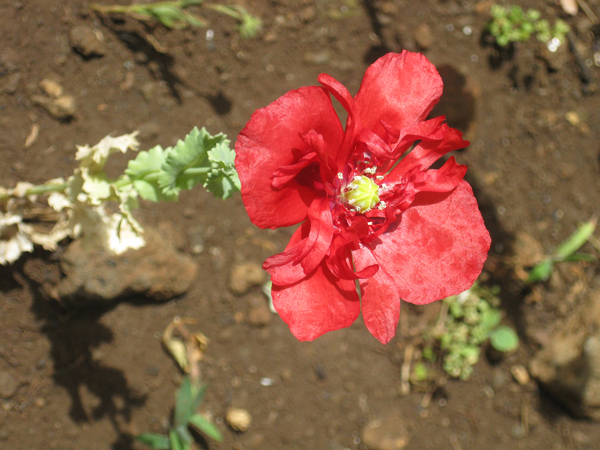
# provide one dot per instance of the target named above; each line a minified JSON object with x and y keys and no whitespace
{"x":238,"y":419}
{"x":61,"y":108}
{"x":51,"y":88}
{"x":85,"y":42}
{"x":258,"y":314}
{"x":245,"y":276}
{"x":93,"y":276}
{"x":388,"y":433}
{"x":423,"y":36}
{"x":569,"y":366}
{"x":8,"y":385}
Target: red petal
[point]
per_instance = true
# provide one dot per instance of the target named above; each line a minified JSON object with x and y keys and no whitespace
{"x":380,"y":299}
{"x":316,"y":305}
{"x":399,"y":89}
{"x":428,"y":152}
{"x":443,"y":179}
{"x":300,"y":258}
{"x":273,"y":139}
{"x":438,"y":247}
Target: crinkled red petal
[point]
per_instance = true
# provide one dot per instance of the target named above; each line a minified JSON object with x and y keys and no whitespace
{"x":318,"y":304}
{"x":302,"y":257}
{"x":398,"y":89}
{"x":272,"y":139}
{"x":380,"y":300}
{"x":437,"y":248}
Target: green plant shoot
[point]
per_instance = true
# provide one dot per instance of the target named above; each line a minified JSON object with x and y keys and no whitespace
{"x":567,"y":251}
{"x":187,"y":401}
{"x":512,"y":24}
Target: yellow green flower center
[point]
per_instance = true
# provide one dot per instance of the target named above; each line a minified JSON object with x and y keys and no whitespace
{"x":362,"y":194}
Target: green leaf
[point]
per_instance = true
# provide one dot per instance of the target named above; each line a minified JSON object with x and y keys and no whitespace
{"x":184,"y":403}
{"x":223,"y":180}
{"x":144,"y":171}
{"x":187,"y":163}
{"x":580,"y":257}
{"x":197,"y":396}
{"x":206,"y":427}
{"x":491,"y":318}
{"x":541,"y":272}
{"x":176,"y":443}
{"x":576,"y":240}
{"x":504,"y":339}
{"x":156,"y":441}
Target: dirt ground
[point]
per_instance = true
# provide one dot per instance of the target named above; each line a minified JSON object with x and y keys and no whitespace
{"x":92,"y":378}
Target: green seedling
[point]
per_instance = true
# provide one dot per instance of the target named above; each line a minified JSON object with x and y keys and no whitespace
{"x":567,"y":251}
{"x":465,"y":324}
{"x":172,"y":14}
{"x":188,"y":400}
{"x":510,"y":24}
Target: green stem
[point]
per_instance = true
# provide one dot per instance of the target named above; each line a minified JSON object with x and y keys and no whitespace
{"x":37,"y":190}
{"x":197,"y":170}
{"x":136,"y":8}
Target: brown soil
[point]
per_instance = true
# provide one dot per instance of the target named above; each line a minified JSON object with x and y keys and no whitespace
{"x":92,"y":379}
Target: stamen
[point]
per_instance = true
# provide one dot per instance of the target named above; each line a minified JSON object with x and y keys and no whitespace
{"x":382,"y":205}
{"x":369,"y":223}
{"x":371,"y":170}
{"x":340,"y":175}
{"x":379,"y":177}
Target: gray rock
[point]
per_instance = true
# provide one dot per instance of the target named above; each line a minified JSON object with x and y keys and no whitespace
{"x":387,"y":433}
{"x":569,"y":366}
{"x":94,"y":276}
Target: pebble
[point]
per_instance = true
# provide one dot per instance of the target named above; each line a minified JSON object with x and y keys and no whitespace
{"x":8,"y":385}
{"x":520,"y":373}
{"x":51,"y":88}
{"x":61,"y":108}
{"x":85,"y":42}
{"x":423,"y":36}
{"x":259,"y":314}
{"x":238,"y":419}
{"x":244,"y":276}
{"x":388,"y":433}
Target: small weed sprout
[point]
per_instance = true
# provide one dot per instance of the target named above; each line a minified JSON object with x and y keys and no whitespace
{"x":172,"y":14}
{"x":510,"y":24}
{"x":567,"y":251}
{"x":465,"y":323}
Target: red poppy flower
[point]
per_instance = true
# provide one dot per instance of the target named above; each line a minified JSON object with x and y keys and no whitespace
{"x":371,"y":208}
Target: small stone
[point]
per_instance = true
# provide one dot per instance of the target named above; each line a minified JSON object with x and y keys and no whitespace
{"x":245,"y":276}
{"x":317,"y":58}
{"x":388,"y":433}
{"x":423,"y":36}
{"x":238,"y":419}
{"x":51,"y":88}
{"x":259,"y":314}
{"x":61,"y":108}
{"x":8,"y":385}
{"x":85,"y":42}
{"x":499,"y":378}
{"x":520,"y":373}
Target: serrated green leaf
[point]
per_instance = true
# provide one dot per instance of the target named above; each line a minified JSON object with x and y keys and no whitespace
{"x":504,"y":339}
{"x":97,"y":187}
{"x":187,"y":164}
{"x":184,"y":403}
{"x":206,"y":427}
{"x":144,"y":171}
{"x":155,"y":441}
{"x":541,"y":272}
